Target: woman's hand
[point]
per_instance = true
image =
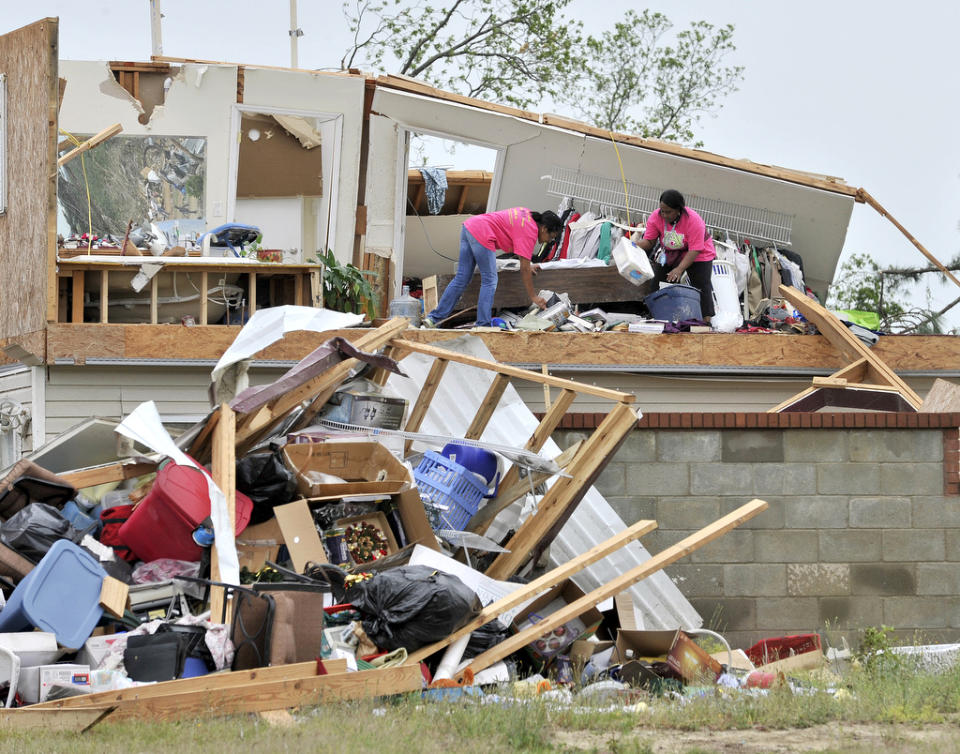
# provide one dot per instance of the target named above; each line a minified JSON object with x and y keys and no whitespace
{"x":540,"y":301}
{"x":674,"y":275}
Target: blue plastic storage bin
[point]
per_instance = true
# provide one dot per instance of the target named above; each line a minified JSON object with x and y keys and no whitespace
{"x":60,"y":595}
{"x":450,"y":493}
{"x":675,"y":303}
{"x":82,"y":519}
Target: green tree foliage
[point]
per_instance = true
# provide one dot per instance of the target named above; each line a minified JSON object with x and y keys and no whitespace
{"x":862,"y":285}
{"x":641,"y":81}
{"x":635,"y":77}
{"x":513,"y":51}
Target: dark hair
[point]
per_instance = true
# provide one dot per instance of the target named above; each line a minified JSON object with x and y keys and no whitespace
{"x":548,"y":220}
{"x":673,"y":199}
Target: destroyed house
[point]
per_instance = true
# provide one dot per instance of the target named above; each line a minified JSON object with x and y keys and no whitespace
{"x":208,"y":136}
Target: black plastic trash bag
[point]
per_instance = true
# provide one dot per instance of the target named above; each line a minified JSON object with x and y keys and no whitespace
{"x":412,"y":606}
{"x":31,"y":531}
{"x":265,"y":479}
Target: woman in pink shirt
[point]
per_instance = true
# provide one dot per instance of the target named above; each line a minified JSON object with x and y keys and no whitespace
{"x":687,"y":245}
{"x":515,"y":230}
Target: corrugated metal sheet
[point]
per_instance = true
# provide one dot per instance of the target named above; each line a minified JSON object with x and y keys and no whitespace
{"x":659,"y":602}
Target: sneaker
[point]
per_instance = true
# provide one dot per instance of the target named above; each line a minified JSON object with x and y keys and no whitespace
{"x":427,"y":324}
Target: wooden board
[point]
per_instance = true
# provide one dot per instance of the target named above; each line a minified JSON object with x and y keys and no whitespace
{"x":115,"y":472}
{"x":28,"y":57}
{"x":944,"y":397}
{"x":927,"y":353}
{"x":52,"y":721}
{"x":525,"y":374}
{"x":114,"y":596}
{"x":205,"y":683}
{"x":595,"y":285}
{"x":563,"y":496}
{"x":271,"y":695}
{"x":638,"y":573}
{"x":224,"y":473}
{"x":549,"y":579}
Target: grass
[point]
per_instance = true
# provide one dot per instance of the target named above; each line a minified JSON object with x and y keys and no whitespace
{"x":891,"y":692}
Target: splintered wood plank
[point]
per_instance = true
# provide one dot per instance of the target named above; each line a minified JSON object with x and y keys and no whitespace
{"x":430,"y":295}
{"x":224,"y":473}
{"x":154,"y":300}
{"x":670,"y":555}
{"x":255,"y":697}
{"x":422,"y":405}
{"x":487,"y":407}
{"x":549,"y":579}
{"x":251,"y":293}
{"x":524,"y":374}
{"x":484,"y":517}
{"x":205,"y":683}
{"x":90,"y":143}
{"x":114,"y":596}
{"x":566,"y":492}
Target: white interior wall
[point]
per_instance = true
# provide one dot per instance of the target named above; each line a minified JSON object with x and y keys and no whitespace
{"x":280,"y":220}
{"x":198,"y":104}
{"x":201,"y":102}
{"x":337,"y":100}
{"x":426,"y":234}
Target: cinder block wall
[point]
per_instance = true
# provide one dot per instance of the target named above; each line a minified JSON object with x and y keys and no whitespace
{"x":863,"y":527}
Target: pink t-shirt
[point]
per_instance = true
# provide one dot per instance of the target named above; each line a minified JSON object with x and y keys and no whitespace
{"x":511,"y":230}
{"x":689,"y":234}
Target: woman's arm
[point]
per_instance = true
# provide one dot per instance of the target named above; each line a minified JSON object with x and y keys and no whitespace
{"x":677,"y":272}
{"x":526,"y":272}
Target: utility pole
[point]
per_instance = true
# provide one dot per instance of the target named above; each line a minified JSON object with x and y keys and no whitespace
{"x":295,"y":33}
{"x":155,"y":36}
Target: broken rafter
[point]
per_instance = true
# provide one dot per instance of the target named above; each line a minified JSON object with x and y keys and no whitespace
{"x":90,"y":143}
{"x":549,"y":579}
{"x":864,"y":363}
{"x":624,"y":581}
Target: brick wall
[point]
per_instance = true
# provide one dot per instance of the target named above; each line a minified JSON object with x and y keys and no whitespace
{"x":863,"y":526}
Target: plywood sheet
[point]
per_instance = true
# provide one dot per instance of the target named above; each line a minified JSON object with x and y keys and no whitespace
{"x":28,"y":58}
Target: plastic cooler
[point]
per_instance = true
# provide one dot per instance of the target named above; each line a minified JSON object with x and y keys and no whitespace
{"x":449,"y":490}
{"x":675,"y":303}
{"x":60,"y":595}
{"x":162,"y":525}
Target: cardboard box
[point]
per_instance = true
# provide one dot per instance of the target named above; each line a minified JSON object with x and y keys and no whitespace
{"x":36,"y":683}
{"x":674,"y":647}
{"x":556,"y":641}
{"x":259,"y":543}
{"x":95,"y":650}
{"x":303,"y":540}
{"x":368,"y":468}
{"x":376,"y":520}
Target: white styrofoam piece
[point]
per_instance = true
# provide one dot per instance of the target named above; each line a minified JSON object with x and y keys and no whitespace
{"x":459,"y":395}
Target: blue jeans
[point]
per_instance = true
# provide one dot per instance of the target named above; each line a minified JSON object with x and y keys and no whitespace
{"x":472,"y":254}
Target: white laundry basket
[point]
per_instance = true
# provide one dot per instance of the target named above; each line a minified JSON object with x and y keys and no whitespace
{"x":728,"y":316}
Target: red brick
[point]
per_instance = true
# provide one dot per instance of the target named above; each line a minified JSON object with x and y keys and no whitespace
{"x":903,"y":420}
{"x":816,"y":420}
{"x":696,"y":421}
{"x":870,"y":420}
{"x":708,"y":420}
{"x":740,"y":420}
{"x":685,"y":421}
{"x":952,"y":488}
{"x":952,"y":465}
{"x":859,"y":420}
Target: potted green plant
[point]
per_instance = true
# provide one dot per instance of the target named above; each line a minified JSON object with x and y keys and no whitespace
{"x":347,"y":288}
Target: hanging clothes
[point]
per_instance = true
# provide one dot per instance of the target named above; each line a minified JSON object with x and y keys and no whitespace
{"x":435,"y":183}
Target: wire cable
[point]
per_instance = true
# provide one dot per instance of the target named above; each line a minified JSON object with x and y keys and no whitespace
{"x":427,"y":235}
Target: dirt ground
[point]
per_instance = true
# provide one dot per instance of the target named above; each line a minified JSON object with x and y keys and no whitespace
{"x":893,"y":739}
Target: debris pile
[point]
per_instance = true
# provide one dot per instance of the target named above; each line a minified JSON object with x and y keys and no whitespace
{"x":299,"y":534}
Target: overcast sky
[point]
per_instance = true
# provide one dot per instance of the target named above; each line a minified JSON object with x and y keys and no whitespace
{"x":860,"y":89}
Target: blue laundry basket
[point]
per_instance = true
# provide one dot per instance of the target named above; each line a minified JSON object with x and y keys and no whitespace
{"x":675,"y":303}
{"x":451,"y":494}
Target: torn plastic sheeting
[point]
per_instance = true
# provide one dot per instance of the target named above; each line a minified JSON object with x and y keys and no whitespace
{"x":267,"y":326}
{"x":460,"y":393}
{"x":318,"y":361}
{"x":143,"y":425}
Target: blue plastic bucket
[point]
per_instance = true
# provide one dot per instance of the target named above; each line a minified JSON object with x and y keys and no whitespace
{"x":675,"y":303}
